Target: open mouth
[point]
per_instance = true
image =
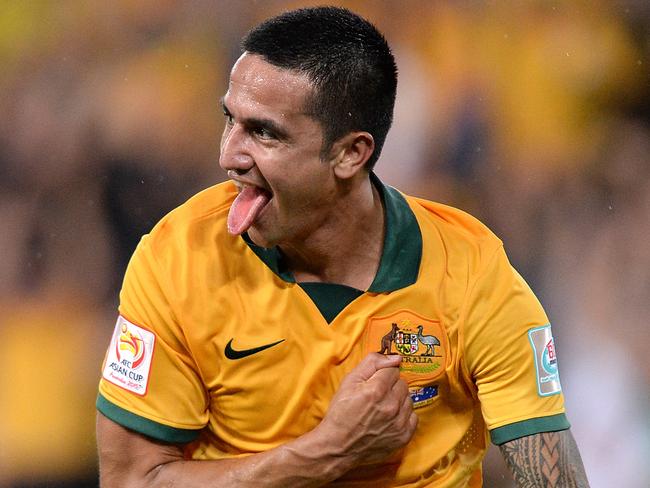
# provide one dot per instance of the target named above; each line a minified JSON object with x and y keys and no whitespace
{"x":246,"y":207}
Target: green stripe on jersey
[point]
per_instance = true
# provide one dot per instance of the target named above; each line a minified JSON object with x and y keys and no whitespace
{"x":143,"y":425}
{"x":552,"y":423}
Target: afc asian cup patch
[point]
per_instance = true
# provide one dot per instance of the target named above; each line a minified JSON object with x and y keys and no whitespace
{"x":128,"y":361}
{"x":421,"y":342}
{"x":548,"y":376}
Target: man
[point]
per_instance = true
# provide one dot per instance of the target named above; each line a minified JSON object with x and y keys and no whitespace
{"x":249,"y":356}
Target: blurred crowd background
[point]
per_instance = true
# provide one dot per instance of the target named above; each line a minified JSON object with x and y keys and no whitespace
{"x":532,"y":115}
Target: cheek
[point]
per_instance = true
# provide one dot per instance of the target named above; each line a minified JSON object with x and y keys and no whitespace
{"x":301,"y":200}
{"x":297,"y":178}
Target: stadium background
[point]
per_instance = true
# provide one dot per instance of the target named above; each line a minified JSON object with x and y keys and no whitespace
{"x":532,"y":115}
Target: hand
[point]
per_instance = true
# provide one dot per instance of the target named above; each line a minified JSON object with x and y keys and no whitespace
{"x":371,"y":415}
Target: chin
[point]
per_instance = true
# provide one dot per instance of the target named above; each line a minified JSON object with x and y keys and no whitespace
{"x":261,"y":238}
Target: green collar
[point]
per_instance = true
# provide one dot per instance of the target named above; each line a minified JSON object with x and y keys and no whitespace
{"x":400,"y":259}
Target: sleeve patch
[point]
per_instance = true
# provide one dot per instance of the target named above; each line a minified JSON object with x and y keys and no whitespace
{"x":548,"y":376}
{"x":128,"y":361}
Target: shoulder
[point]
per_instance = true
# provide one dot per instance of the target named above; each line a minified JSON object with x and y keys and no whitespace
{"x":189,"y":250}
{"x":450,"y":220}
{"x":453,"y":231}
{"x":192,"y":236}
{"x":199,"y":221}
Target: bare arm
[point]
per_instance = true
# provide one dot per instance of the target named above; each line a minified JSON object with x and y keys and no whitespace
{"x":546,"y":460}
{"x":370,"y":417}
{"x":129,"y":459}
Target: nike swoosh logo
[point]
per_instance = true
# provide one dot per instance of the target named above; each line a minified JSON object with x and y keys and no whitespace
{"x":234,"y":354}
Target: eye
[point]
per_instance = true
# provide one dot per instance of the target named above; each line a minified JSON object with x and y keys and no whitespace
{"x":263,"y":133}
{"x":227,"y":115}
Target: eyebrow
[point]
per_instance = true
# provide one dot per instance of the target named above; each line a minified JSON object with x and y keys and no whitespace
{"x":261,"y":123}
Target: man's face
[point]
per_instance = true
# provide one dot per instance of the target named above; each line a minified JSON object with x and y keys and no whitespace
{"x":270,"y":143}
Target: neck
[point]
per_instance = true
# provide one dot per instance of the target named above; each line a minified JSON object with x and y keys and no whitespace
{"x":345,"y":248}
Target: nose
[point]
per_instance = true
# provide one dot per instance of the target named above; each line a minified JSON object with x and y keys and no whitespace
{"x":234,"y":152}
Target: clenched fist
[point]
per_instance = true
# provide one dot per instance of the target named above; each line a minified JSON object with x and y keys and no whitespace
{"x":371,"y":416}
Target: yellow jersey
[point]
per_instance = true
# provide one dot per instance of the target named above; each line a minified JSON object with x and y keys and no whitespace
{"x":217,"y":346}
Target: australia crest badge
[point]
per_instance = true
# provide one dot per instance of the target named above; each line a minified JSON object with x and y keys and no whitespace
{"x":421,"y":342}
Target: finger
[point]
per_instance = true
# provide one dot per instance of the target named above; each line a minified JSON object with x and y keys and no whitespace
{"x":372,"y":363}
{"x":409,"y":419}
{"x":387,"y":377}
{"x":407,"y":403}
{"x":406,"y":410}
{"x":401,"y":390}
{"x":413,"y":423}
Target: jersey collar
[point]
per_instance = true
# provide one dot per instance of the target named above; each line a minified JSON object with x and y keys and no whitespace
{"x":401,"y":254}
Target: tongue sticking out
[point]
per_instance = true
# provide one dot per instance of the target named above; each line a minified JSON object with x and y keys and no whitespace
{"x":245,"y":208}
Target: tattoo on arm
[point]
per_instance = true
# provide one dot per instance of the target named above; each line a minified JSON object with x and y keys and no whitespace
{"x":546,"y":460}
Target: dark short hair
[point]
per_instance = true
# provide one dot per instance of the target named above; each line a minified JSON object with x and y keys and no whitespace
{"x":348,"y":61}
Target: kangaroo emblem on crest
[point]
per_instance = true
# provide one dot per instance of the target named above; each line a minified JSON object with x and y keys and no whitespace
{"x":388,"y":339}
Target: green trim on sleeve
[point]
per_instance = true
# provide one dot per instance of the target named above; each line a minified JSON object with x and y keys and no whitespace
{"x":143,"y":425}
{"x":552,"y":423}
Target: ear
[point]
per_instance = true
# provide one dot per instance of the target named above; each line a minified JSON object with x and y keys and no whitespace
{"x":351,"y":152}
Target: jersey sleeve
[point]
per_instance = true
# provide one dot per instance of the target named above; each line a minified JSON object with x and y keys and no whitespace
{"x":509,"y":354}
{"x":150,"y":382}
